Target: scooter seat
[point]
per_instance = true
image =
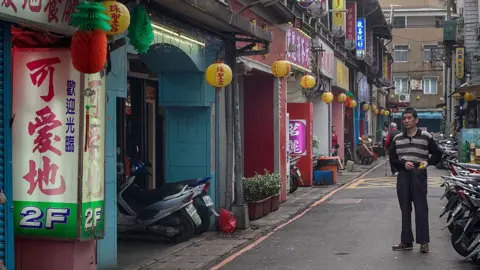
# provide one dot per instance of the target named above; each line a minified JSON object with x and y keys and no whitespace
{"x":155,"y":195}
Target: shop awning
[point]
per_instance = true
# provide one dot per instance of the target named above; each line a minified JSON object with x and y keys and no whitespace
{"x":422,"y":115}
{"x":216,"y":16}
{"x":249,"y":64}
{"x":471,"y":86}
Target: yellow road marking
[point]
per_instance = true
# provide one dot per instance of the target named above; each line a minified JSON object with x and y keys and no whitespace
{"x":389,"y":182}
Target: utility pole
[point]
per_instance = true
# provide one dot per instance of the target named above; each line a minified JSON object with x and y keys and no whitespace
{"x":448,"y":73}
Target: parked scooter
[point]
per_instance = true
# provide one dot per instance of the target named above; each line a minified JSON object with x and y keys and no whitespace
{"x":295,"y":174}
{"x":167,"y":211}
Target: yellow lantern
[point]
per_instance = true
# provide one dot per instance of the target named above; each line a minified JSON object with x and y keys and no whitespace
{"x":458,"y":96}
{"x":342,"y":98}
{"x":376,"y":111}
{"x":307,"y":81}
{"x":327,"y":97}
{"x":468,"y":97}
{"x":387,"y":113}
{"x":417,"y":98}
{"x":382,"y":112}
{"x":374,"y":107}
{"x":353,"y":104}
{"x":366,"y":107}
{"x":120,"y":17}
{"x":281,"y":68}
{"x":218,"y":75}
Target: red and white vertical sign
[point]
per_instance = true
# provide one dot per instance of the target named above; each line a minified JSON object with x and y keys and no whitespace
{"x":46,"y":91}
{"x":350,"y":34}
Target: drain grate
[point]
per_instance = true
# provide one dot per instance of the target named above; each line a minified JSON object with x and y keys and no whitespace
{"x":344,"y":201}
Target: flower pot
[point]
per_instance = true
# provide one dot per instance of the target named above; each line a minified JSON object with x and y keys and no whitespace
{"x":275,"y":202}
{"x":255,"y":209}
{"x":267,"y":206}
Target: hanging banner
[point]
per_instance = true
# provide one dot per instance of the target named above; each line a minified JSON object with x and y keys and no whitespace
{"x":342,"y":74}
{"x":46,"y":99}
{"x":93,"y":171}
{"x":298,"y":137}
{"x":350,"y":26}
{"x":360,"y":31}
{"x":460,"y":62}
{"x":301,"y":57}
{"x":338,"y":19}
{"x":326,"y":59}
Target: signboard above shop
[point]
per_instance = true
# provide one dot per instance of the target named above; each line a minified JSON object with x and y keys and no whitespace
{"x":301,"y":57}
{"x":52,"y":15}
{"x":326,"y":59}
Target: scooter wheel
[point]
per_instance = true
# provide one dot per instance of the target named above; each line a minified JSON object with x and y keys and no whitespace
{"x":204,"y":213}
{"x":187,"y":228}
{"x":293,"y":183}
{"x":461,"y":248}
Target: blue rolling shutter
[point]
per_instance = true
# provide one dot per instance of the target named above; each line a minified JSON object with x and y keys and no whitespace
{"x":6,"y":213}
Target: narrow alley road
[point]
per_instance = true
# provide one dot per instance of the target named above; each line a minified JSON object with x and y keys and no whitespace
{"x":354,"y":230}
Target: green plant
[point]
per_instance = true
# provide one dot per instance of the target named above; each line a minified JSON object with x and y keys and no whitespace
{"x":259,"y":187}
{"x":315,"y":142}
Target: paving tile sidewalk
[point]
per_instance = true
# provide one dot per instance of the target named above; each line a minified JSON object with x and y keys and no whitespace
{"x":202,"y":251}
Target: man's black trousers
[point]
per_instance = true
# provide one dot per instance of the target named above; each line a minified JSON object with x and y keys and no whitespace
{"x":412,"y":188}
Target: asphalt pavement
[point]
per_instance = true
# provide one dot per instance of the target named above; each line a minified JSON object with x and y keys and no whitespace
{"x":355,"y":229}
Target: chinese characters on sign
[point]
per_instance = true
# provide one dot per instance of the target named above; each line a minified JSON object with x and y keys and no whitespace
{"x":301,"y":56}
{"x":115,"y":13}
{"x":220,"y":74}
{"x":338,"y":19}
{"x":326,"y":59}
{"x":343,"y":74}
{"x":350,"y":36}
{"x":360,"y":30}
{"x":298,"y":137}
{"x":460,"y":62}
{"x":45,"y":169}
{"x":49,"y":12}
{"x":93,"y":174}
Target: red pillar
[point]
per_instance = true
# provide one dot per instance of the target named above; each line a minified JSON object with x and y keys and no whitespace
{"x":304,"y":112}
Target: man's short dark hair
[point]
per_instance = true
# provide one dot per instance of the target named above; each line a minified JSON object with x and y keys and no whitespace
{"x":411,"y":111}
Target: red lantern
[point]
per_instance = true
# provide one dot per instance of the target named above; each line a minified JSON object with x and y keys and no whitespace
{"x":347,"y":102}
{"x":89,"y":51}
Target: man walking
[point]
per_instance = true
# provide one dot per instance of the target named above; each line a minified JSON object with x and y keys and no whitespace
{"x":409,"y":154}
{"x":387,"y":144}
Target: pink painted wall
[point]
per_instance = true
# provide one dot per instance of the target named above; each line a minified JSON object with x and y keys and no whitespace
{"x":338,"y":122}
{"x":55,"y":255}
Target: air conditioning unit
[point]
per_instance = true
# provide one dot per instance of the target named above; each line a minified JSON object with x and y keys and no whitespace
{"x":416,"y":84}
{"x":404,"y":98}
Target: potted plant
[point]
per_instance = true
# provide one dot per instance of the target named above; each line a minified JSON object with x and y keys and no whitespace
{"x":256,"y":195}
{"x":274,"y":185}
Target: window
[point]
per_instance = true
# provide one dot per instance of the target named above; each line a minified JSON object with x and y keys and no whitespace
{"x":401,"y":86}
{"x":439,"y":20}
{"x":400,"y":22}
{"x":430,"y":85}
{"x":401,"y":53}
{"x":429,"y":52}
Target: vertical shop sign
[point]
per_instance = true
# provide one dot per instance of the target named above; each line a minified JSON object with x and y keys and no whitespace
{"x":342,"y":75}
{"x":460,"y":63}
{"x":360,"y":30}
{"x":45,"y":143}
{"x":350,"y":26}
{"x":301,"y":56}
{"x":338,"y":19}
{"x":93,"y":174}
{"x":384,"y":66}
{"x":298,"y":137}
{"x":326,"y":59}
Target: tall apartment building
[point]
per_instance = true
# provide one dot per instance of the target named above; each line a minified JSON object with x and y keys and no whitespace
{"x":418,"y":67}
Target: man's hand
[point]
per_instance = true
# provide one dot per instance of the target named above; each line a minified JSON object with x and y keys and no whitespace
{"x":423,"y":165}
{"x":409,"y":166}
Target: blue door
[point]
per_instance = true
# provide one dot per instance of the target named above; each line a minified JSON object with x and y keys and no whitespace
{"x":188,"y":143}
{"x":6,"y":215}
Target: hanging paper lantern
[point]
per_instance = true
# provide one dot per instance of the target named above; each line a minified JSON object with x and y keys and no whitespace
{"x":120,"y":17}
{"x":218,"y":75}
{"x":281,"y":68}
{"x":376,"y":111}
{"x":342,"y":98}
{"x":417,"y":98}
{"x":140,"y":32}
{"x":89,"y":44}
{"x":458,"y":96}
{"x":327,"y":97}
{"x":468,"y":97}
{"x":382,"y":112}
{"x":374,"y":107}
{"x":387,"y":113}
{"x":352,"y":104}
{"x":307,"y":81}
{"x":366,"y":107}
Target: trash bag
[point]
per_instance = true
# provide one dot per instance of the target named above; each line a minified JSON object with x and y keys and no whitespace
{"x":227,"y":222}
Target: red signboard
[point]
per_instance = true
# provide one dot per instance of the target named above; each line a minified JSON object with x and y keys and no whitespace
{"x":350,"y":34}
{"x":301,"y":55}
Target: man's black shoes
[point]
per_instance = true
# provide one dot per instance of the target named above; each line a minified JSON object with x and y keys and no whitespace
{"x":403,"y":246}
